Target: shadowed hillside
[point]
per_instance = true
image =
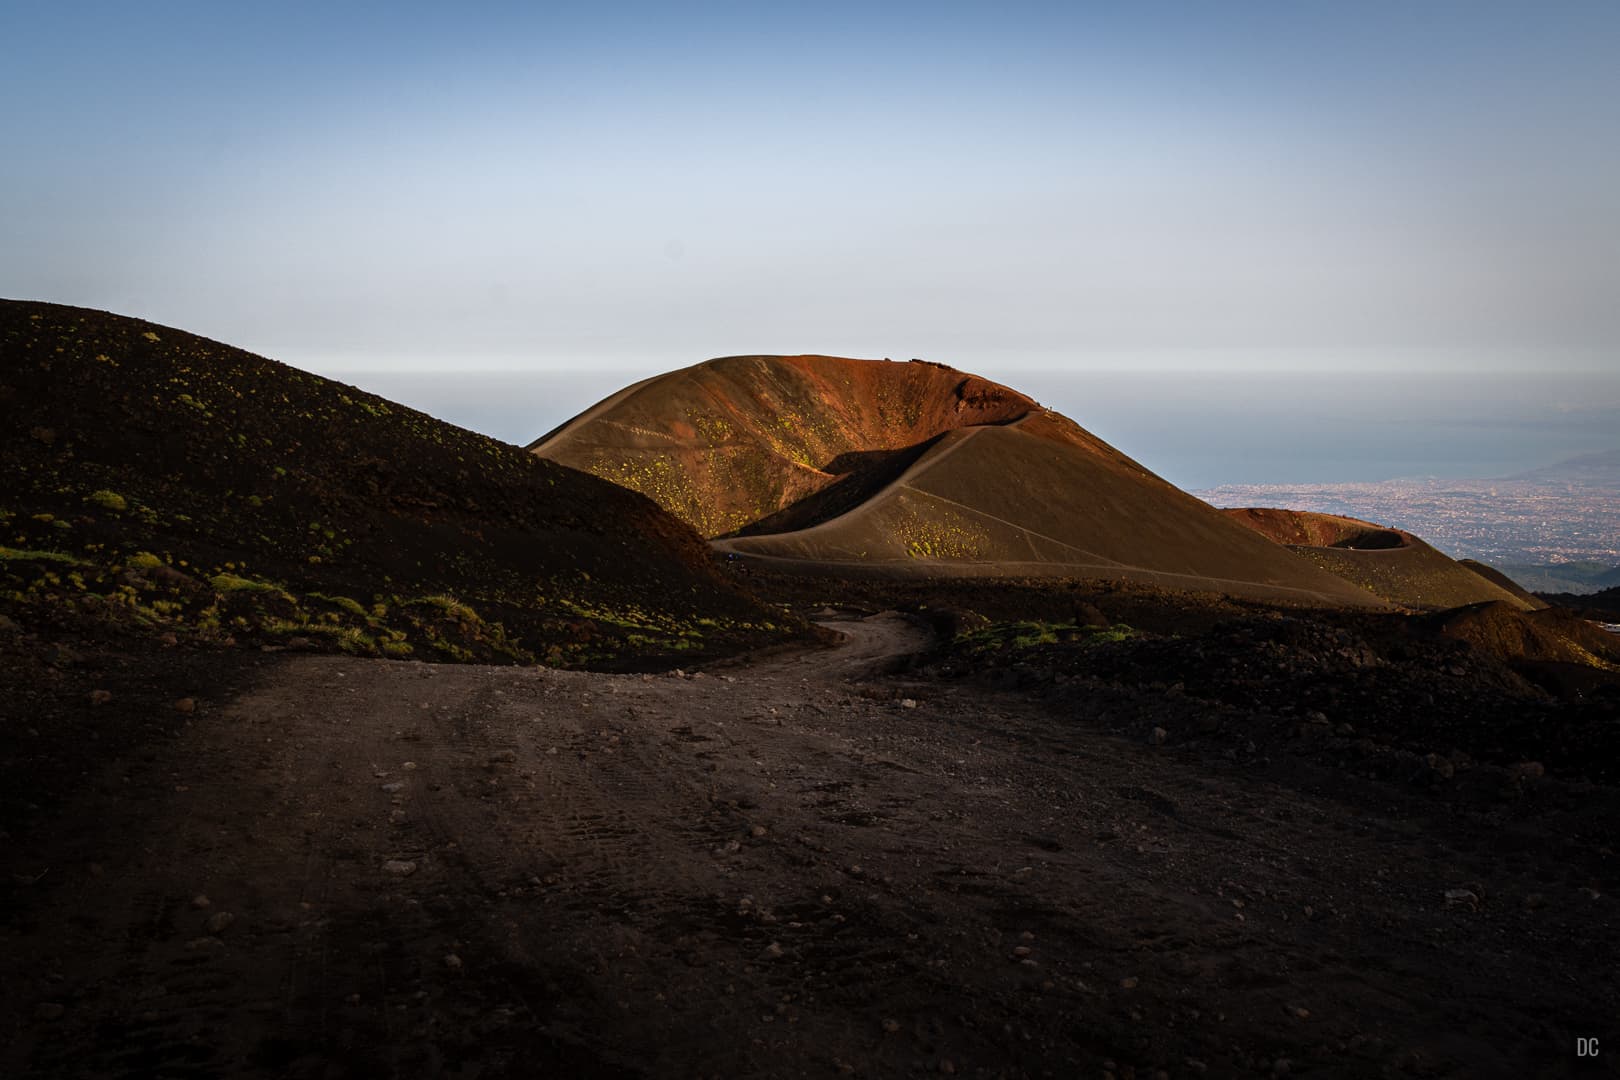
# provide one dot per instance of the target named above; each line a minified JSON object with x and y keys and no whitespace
{"x":1601,"y":607}
{"x":162,"y":482}
{"x":861,"y":467}
{"x":1389,"y":563}
{"x":1502,"y":581}
{"x":1511,"y":635}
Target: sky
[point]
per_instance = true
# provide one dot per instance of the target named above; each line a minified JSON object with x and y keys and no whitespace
{"x":544,"y":189}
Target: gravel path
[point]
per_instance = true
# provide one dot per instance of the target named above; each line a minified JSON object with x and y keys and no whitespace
{"x":806,"y":866}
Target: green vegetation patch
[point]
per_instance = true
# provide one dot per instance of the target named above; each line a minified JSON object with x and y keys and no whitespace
{"x":109,"y":500}
{"x":230,"y":583}
{"x":9,"y":554}
{"x":1028,"y":634}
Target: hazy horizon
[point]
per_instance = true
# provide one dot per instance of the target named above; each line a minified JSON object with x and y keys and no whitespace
{"x":1156,"y":186}
{"x":1195,"y":430}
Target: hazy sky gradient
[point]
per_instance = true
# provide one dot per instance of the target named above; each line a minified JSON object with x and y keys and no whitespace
{"x":1003,"y":187}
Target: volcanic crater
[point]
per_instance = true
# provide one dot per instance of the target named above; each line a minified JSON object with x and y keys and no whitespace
{"x":827,"y":464}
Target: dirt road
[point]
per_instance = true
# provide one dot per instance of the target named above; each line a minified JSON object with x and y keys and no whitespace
{"x":806,"y":866}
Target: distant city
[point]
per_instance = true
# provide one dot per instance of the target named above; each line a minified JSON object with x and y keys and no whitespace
{"x":1554,"y":529}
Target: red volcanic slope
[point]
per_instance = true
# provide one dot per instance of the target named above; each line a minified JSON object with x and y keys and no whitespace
{"x":827,"y":464}
{"x":728,"y":442}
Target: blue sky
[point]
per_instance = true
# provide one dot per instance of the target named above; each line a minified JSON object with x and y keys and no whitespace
{"x":1212,"y":186}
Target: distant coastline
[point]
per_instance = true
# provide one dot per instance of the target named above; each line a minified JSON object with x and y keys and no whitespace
{"x":1552,"y":529}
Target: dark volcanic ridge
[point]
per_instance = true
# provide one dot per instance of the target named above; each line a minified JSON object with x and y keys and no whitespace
{"x":1470,"y":702}
{"x":1600,"y":607}
{"x":859,"y":467}
{"x":161,"y":483}
{"x":1392,"y":564}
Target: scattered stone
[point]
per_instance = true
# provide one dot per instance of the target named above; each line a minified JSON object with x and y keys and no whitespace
{"x":399,"y":867}
{"x":1129,"y":983}
{"x":773,"y":951}
{"x":1021,"y":951}
{"x":200,"y":901}
{"x":453,"y":962}
{"x":1529,"y":770}
{"x":1534,"y":901}
{"x":503,"y":757}
{"x":891,"y":1025}
{"x":205,"y":943}
{"x":757,"y":831}
{"x":186,"y":705}
{"x":220,"y":921}
{"x":49,"y":1010}
{"x":908,"y":703}
{"x":100,"y":697}
{"x":392,"y":787}
{"x":1159,"y":735}
{"x":409,"y":766}
{"x":947,"y":1066}
{"x":1462,"y":898}
{"x":397,"y":816}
